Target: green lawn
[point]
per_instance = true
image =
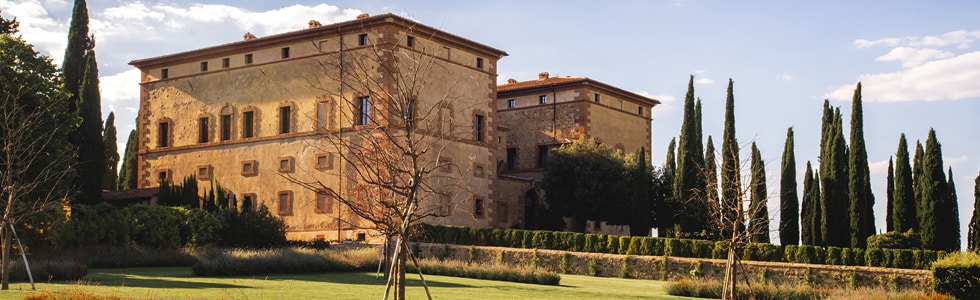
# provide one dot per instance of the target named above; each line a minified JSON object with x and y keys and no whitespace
{"x":178,"y":283}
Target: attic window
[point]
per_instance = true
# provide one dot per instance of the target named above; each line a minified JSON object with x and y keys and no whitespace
{"x":225,"y":62}
{"x":204,"y":66}
{"x":285,"y":52}
{"x":543,"y":99}
{"x":479,"y":63}
{"x":362,"y":39}
{"x":164,"y":73}
{"x":410,"y":41}
{"x":248,"y":59}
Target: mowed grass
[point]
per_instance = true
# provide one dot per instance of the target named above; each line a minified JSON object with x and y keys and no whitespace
{"x":178,"y":283}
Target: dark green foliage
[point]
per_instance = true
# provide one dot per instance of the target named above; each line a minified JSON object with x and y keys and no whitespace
{"x":148,"y":226}
{"x":939,"y":228}
{"x":185,"y":195}
{"x":789,"y":253}
{"x":902,"y":259}
{"x":251,"y":229}
{"x":640,"y":208}
{"x":677,"y":247}
{"x":111,"y":153}
{"x":702,"y":248}
{"x":859,"y":178}
{"x":667,"y":205}
{"x":624,"y":244}
{"x":958,"y":275}
{"x":811,"y":208}
{"x":917,"y":182}
{"x":541,"y":240}
{"x":58,"y":269}
{"x":635,"y":244}
{"x":612,"y":244}
{"x":127,"y":173}
{"x":834,"y":256}
{"x":789,"y":205}
{"x":584,"y":181}
{"x":8,"y":26}
{"x":895,"y":240}
{"x":712,"y":187}
{"x":720,"y":251}
{"x":91,"y":166}
{"x":890,"y":196}
{"x":848,"y":257}
{"x":758,"y":208}
{"x":79,"y":42}
{"x":646,"y":246}
{"x":731,"y":186}
{"x":952,"y":211}
{"x":973,"y":235}
{"x":807,"y":254}
{"x":875,"y":257}
{"x":689,"y":180}
{"x":835,"y":215}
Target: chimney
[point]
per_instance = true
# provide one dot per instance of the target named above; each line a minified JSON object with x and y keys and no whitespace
{"x":363,"y":16}
{"x":315,"y":24}
{"x":511,"y":81}
{"x":543,"y":75}
{"x":249,"y":36}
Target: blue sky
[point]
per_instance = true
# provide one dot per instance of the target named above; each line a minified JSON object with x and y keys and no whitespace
{"x":919,"y":61}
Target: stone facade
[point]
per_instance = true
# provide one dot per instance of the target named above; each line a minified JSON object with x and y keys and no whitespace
{"x":254,"y":115}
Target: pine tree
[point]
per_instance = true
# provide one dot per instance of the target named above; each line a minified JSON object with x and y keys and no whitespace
{"x":934,"y":214}
{"x":904,"y":204}
{"x":806,"y":208}
{"x":973,"y":237}
{"x":789,"y":206}
{"x":835,"y":214}
{"x":859,"y":178}
{"x":640,"y":208}
{"x":890,"y":196}
{"x":688,"y":178}
{"x":111,"y":153}
{"x":73,"y":67}
{"x":758,"y":209}
{"x":127,"y":174}
{"x":91,"y":150}
{"x":731,"y":186}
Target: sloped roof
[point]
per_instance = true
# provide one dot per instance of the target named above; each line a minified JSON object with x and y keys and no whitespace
{"x":539,"y":83}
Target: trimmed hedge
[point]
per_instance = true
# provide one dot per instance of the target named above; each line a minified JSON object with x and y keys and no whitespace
{"x":652,"y":246}
{"x":958,"y":275}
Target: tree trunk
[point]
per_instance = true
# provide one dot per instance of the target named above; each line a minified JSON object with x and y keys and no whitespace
{"x":400,"y":278}
{"x":728,"y":289}
{"x":5,"y":261}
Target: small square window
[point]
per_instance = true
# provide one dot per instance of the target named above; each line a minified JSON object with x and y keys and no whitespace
{"x":248,"y":59}
{"x":324,"y":202}
{"x":204,"y":172}
{"x":639,"y":110}
{"x":286,"y":164}
{"x":511,"y":103}
{"x":249,"y":168}
{"x":164,"y":73}
{"x":543,"y":99}
{"x":225,"y":62}
{"x":478,"y":208}
{"x":478,"y":171}
{"x":285,"y":203}
{"x":479,"y":63}
{"x":163,"y":175}
{"x":596,"y":97}
{"x":410,"y":41}
{"x":285,"y":52}
{"x":204,"y":66}
{"x":362,"y":39}
{"x":324,"y":161}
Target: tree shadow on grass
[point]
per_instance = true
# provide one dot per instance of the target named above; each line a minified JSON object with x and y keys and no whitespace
{"x":127,"y":280}
{"x":361,"y":278}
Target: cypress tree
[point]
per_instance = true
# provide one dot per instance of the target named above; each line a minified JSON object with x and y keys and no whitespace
{"x":835,"y":223}
{"x":758,"y":209}
{"x":711,"y":174}
{"x":690,"y":159}
{"x":731,"y":186}
{"x":904,"y":203}
{"x":935,"y":213}
{"x":665,"y":215}
{"x":973,"y":235}
{"x":890,"y":196}
{"x":949,"y":227}
{"x":818,"y":237}
{"x":127,"y":174}
{"x":917,"y":181}
{"x":111,"y":153}
{"x":806,"y":209}
{"x":789,"y":206}
{"x":640,"y":208}
{"x":73,"y":67}
{"x":91,"y":150}
{"x":859,"y":178}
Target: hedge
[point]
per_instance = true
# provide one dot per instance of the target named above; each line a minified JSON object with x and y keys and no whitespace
{"x":957,"y":275}
{"x":654,"y":246}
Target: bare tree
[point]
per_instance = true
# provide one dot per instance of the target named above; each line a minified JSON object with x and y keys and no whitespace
{"x":393,"y":123}
{"x":34,"y":154}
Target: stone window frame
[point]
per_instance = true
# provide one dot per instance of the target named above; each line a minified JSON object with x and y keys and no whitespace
{"x":207,"y":129}
{"x":512,"y":103}
{"x":479,"y":208}
{"x":249,"y":59}
{"x":167,"y":175}
{"x":250,"y":168}
{"x":363,"y":39}
{"x":328,"y":201}
{"x":166,"y":139}
{"x":293,"y":110}
{"x":225,"y":62}
{"x":284,"y":208}
{"x":255,"y":121}
{"x":253,"y":201}
{"x":325,"y":108}
{"x":204,"y":66}
{"x":543,"y":99}
{"x":204,"y":172}
{"x":226,"y":111}
{"x":479,"y":63}
{"x":362,"y":116}
{"x":479,"y":170}
{"x":328,"y":157}
{"x":284,"y":52}
{"x":164,"y":73}
{"x":480,"y":131}
{"x":290,"y":164}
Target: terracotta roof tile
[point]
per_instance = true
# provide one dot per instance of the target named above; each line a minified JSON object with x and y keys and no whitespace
{"x":539,"y":83}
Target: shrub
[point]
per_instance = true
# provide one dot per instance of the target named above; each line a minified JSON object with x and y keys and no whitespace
{"x":902,"y":258}
{"x":646,"y":246}
{"x":542,"y":240}
{"x":48,"y":269}
{"x":834,"y":256}
{"x":634,"y":245}
{"x":720,"y":250}
{"x":624,"y":267}
{"x":516,"y":238}
{"x":283,"y":261}
{"x":251,"y":229}
{"x":624,"y":244}
{"x":702,"y":248}
{"x":769,"y":252}
{"x":895,"y":240}
{"x":875,"y":258}
{"x":958,"y":275}
{"x":593,"y":266}
{"x":749,"y":252}
{"x":563,"y":263}
{"x":789,"y":253}
{"x":486,"y":272}
{"x":612,"y":244}
{"x":846,"y":257}
{"x":677,"y":247}
{"x":590,"y":240}
{"x":806,"y":254}
{"x":528,"y":241}
{"x":657,"y":248}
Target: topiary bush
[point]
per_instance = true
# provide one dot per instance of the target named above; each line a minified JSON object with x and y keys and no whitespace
{"x":634,"y":245}
{"x":612,"y":244}
{"x":789,"y":253}
{"x":875,"y":258}
{"x":720,"y":250}
{"x":624,"y":244}
{"x":834,"y":256}
{"x":677,"y":247}
{"x":958,"y":275}
{"x":895,"y":240}
{"x":702,"y":248}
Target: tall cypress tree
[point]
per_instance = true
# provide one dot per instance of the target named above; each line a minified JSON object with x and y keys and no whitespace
{"x":711,"y":175}
{"x":818,"y":237}
{"x":690,"y":159}
{"x":73,"y":67}
{"x":665,"y":215}
{"x":859,"y":178}
{"x":731,"y":186}
{"x":127,"y":174}
{"x":904,"y":204}
{"x":789,"y":206}
{"x":91,"y":150}
{"x":890,"y":196}
{"x":806,"y":209}
{"x":949,"y":227}
{"x":917,"y":181}
{"x":973,"y":235}
{"x":934,"y":214}
{"x":835,"y":223}
{"x":111,"y":153}
{"x":758,"y":209}
{"x":640,"y":208}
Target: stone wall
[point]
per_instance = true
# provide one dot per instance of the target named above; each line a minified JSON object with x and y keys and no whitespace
{"x":675,"y":268}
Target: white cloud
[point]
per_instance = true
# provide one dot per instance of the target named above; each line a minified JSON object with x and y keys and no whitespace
{"x":878,"y":167}
{"x":120,"y":87}
{"x":962,"y":39}
{"x":784,"y":77}
{"x":863,"y":43}
{"x":947,"y":79}
{"x":48,"y":35}
{"x":911,"y":57}
{"x":664,"y":108}
{"x":704,"y":80}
